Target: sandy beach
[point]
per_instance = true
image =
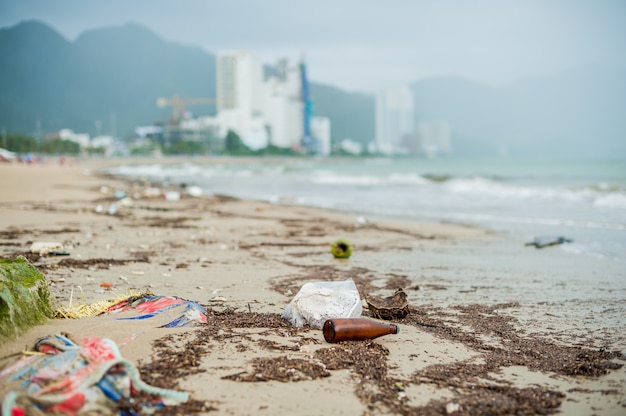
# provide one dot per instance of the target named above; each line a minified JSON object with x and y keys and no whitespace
{"x":492,"y":327}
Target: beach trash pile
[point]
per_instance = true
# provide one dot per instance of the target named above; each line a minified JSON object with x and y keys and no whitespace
{"x":86,"y":377}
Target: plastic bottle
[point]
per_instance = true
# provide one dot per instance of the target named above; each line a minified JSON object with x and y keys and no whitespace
{"x":356,"y":329}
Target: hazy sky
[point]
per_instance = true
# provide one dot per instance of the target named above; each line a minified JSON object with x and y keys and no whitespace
{"x":366,"y":45}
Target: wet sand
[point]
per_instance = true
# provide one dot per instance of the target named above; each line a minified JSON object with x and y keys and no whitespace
{"x":494,"y":326}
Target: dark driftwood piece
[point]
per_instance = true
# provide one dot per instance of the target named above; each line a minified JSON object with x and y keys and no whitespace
{"x":394,"y":306}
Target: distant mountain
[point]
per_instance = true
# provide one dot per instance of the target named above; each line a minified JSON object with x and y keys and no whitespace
{"x":352,"y":115}
{"x":112,"y":75}
{"x":111,"y":78}
{"x":578,"y":112}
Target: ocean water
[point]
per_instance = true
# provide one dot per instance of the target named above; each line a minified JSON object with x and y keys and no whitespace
{"x":582,"y":200}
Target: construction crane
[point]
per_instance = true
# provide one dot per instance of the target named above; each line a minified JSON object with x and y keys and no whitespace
{"x":179,"y":104}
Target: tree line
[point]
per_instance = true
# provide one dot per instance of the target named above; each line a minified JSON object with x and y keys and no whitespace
{"x":23,"y":144}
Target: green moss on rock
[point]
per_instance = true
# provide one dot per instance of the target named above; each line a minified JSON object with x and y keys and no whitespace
{"x":24,"y":297}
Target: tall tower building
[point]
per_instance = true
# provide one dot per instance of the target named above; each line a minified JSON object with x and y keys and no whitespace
{"x":283,"y":107}
{"x":394,"y":119}
{"x":239,"y":82}
{"x":240,"y":96}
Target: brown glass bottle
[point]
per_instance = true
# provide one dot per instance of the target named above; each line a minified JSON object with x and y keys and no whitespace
{"x":355,"y":329}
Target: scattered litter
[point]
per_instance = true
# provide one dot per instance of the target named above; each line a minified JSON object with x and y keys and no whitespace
{"x":173,"y":311}
{"x":318,"y":301}
{"x":218,"y":299}
{"x":90,"y":376}
{"x":394,"y":306}
{"x":106,"y":285}
{"x":171,"y":195}
{"x":138,"y":273}
{"x":547,"y":241}
{"x":45,"y":247}
{"x":85,"y":310}
{"x":341,"y":249}
{"x":152,"y":192}
{"x":194,"y":191}
{"x":126,"y":202}
{"x":120,"y":194}
{"x":113,"y":208}
{"x":356,"y":329}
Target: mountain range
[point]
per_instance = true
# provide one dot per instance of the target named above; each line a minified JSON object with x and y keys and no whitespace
{"x":107,"y":82}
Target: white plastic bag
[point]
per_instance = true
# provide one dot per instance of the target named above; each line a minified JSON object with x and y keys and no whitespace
{"x":318,"y":301}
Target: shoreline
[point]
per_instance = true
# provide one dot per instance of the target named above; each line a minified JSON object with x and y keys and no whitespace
{"x":477,"y":311}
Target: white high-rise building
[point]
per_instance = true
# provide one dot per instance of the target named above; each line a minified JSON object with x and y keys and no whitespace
{"x":240,"y":92}
{"x":260,"y":111}
{"x":283,"y":108}
{"x":394,"y":119}
{"x":320,"y":127}
{"x":239,"y":82}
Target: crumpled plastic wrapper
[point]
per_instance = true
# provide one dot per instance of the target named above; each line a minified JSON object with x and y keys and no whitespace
{"x":318,"y":301}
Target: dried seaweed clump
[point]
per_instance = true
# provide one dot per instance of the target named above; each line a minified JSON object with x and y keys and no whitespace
{"x":281,"y":369}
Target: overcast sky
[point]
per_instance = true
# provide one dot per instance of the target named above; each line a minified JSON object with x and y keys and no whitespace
{"x":367,"y":45}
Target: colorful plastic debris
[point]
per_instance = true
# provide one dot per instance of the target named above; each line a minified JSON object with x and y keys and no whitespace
{"x":88,"y":377}
{"x":177,"y":312}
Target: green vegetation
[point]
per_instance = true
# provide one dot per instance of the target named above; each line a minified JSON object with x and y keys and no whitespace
{"x":272,"y":150}
{"x":24,"y":297}
{"x":234,"y":145}
{"x":59,"y":146}
{"x":20,"y":143}
{"x":184,"y":147}
{"x":96,"y":151}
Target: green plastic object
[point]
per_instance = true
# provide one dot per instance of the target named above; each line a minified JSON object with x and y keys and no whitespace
{"x":24,"y":298}
{"x":341,"y":249}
